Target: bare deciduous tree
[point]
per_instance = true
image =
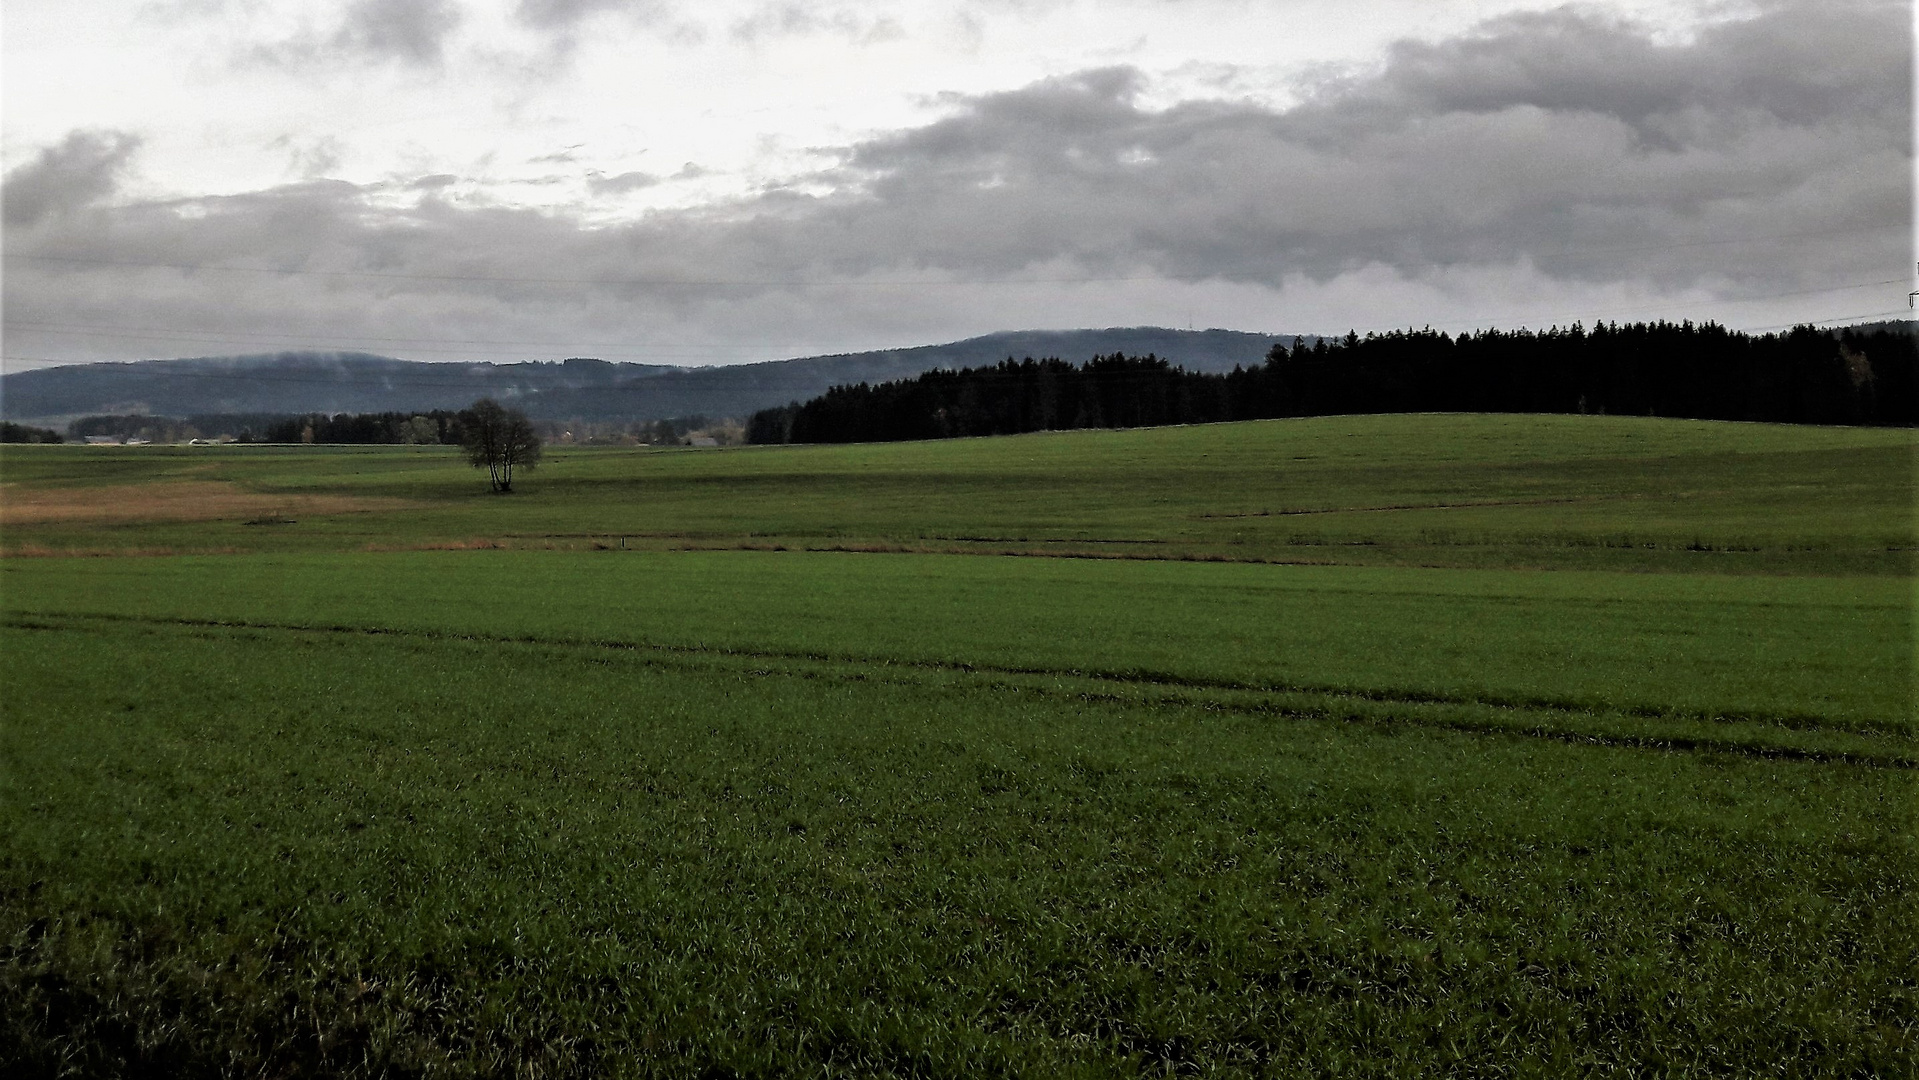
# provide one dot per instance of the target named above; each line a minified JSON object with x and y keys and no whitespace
{"x":499,"y":439}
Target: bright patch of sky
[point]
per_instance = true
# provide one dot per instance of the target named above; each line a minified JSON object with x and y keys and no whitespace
{"x":613,"y":108}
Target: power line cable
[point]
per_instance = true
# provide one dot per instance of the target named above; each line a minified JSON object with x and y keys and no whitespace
{"x":1689,"y":305}
{"x":1834,"y":319}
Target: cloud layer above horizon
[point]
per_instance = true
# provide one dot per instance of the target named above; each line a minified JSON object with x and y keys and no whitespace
{"x":1537,"y":166}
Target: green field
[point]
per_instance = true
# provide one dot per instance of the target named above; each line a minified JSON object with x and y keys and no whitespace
{"x":1364,"y":745}
{"x":1552,"y":492}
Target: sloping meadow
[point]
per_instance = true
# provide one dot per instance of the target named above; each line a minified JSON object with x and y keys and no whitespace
{"x":1541,"y":492}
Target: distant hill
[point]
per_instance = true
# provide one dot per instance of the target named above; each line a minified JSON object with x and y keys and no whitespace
{"x":303,"y":382}
{"x":291,"y":382}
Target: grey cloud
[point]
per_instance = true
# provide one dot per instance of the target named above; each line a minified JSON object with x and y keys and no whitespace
{"x":797,"y":19}
{"x":1799,"y":64}
{"x":1558,"y":138}
{"x":166,"y":11}
{"x":559,"y":13}
{"x":565,"y":14}
{"x":1635,"y":169}
{"x":310,"y":158}
{"x":176,"y":12}
{"x":84,"y":168}
{"x":601,"y":184}
{"x":412,"y":32}
{"x":562,"y":21}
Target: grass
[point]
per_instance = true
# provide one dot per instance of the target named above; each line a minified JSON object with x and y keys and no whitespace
{"x":565,"y":857}
{"x":1496,"y":492}
{"x":1712,"y":646}
{"x":1620,"y":784}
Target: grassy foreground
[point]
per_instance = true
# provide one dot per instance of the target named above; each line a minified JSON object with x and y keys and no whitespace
{"x":310,"y":808}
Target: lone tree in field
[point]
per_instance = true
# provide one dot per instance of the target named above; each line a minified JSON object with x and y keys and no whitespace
{"x":500,"y":439}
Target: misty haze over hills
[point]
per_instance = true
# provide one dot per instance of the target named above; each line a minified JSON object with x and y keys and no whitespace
{"x":290,"y":382}
{"x":335,"y":382}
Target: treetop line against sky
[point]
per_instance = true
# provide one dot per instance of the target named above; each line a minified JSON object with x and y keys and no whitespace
{"x":732,"y":181}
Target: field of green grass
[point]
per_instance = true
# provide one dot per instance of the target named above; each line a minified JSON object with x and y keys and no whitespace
{"x":1496,"y":746}
{"x":1543,"y":492}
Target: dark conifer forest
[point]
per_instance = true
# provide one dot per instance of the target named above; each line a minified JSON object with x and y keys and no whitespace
{"x":1806,"y":376}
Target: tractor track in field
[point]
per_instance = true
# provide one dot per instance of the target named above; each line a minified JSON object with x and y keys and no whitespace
{"x":1389,"y":508}
{"x":1153,"y":689}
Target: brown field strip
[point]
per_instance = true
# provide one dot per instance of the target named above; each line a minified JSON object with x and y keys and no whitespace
{"x":196,"y":500}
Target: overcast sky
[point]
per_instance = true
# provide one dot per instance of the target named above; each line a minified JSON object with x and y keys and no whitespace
{"x":724,"y":181}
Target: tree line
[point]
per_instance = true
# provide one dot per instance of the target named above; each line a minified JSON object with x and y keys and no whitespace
{"x":434,"y":427}
{"x":437,"y":427}
{"x":11,"y":432}
{"x":1804,"y":376}
{"x":492,"y":436}
{"x":442,"y":427}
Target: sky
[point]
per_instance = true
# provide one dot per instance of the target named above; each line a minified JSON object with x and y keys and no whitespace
{"x":741,"y":180}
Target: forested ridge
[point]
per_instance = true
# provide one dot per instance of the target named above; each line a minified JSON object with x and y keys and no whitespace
{"x":575,"y":390}
{"x":1805,"y":376}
